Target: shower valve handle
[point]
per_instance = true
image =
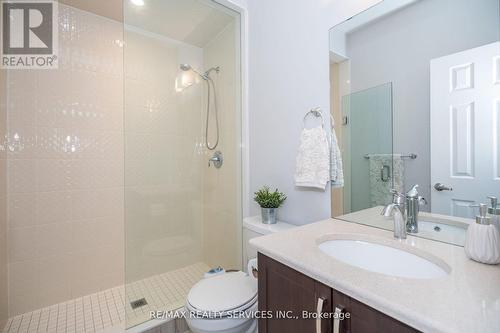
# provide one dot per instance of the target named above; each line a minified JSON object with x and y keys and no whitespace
{"x":216,"y":159}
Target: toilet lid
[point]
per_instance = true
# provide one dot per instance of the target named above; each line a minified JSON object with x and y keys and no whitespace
{"x":222,"y":293}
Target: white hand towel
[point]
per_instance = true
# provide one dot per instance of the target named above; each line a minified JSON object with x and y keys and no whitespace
{"x":336,"y":165}
{"x":313,"y":159}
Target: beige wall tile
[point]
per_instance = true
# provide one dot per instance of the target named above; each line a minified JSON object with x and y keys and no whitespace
{"x":86,"y":235}
{"x":66,"y":185}
{"x":21,"y":212}
{"x":23,"y":244}
{"x":66,"y":175}
{"x":52,"y":207}
{"x":3,"y":264}
{"x":21,"y":176}
{"x":23,"y":283}
{"x":221,"y":229}
{"x":53,"y":239}
{"x":4,"y":311}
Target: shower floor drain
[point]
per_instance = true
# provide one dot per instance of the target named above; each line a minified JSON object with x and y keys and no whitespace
{"x":138,"y":303}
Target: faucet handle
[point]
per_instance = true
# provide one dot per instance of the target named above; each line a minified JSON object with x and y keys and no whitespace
{"x":494,"y":201}
{"x":413,"y":192}
{"x":216,"y":159}
{"x":396,"y":192}
{"x":422,"y":201}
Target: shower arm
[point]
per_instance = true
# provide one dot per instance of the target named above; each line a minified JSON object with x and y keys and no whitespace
{"x":207,"y":73}
{"x":204,"y":76}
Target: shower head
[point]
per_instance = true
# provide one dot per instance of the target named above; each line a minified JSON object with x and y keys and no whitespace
{"x":188,"y":67}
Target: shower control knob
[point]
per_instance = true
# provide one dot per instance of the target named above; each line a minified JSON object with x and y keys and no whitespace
{"x":216,"y":159}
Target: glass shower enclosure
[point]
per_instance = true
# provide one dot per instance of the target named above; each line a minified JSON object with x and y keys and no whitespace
{"x":120,"y":170}
{"x":368,"y":148}
{"x":181,"y":112}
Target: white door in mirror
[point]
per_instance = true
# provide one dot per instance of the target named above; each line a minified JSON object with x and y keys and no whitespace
{"x":465,"y":129}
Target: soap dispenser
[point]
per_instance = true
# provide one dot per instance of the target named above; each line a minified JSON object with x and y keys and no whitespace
{"x":482,"y":242}
{"x":494,"y":211}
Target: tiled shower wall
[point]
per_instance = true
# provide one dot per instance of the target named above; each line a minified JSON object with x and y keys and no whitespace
{"x":67,"y":175}
{"x":65,"y":168}
{"x":222,"y":229}
{"x":3,"y":204}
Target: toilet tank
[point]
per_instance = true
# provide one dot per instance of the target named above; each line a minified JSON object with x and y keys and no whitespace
{"x":253,"y":227}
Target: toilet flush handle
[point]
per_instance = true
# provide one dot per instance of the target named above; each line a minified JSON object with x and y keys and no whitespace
{"x":253,"y":268}
{"x":255,"y":272}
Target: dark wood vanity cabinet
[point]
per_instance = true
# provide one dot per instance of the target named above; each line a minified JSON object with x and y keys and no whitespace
{"x":288,"y":302}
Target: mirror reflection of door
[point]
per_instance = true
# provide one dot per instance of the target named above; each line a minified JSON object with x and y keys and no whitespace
{"x":465,"y":128}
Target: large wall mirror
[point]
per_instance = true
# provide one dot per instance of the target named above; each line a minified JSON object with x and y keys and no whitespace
{"x":415,"y":95}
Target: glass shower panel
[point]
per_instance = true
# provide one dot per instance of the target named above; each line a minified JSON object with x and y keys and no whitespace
{"x":182,"y":84}
{"x":368,"y":147}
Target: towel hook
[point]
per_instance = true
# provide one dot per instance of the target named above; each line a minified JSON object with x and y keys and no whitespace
{"x":317,"y":113}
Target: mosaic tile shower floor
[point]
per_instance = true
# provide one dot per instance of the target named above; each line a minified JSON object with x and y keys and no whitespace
{"x":109,"y":308}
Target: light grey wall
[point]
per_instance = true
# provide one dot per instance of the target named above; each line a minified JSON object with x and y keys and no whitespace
{"x":288,"y":75}
{"x":398,"y":48}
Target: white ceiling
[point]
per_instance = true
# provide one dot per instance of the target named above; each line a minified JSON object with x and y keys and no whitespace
{"x":374,"y":13}
{"x":339,"y":32}
{"x":112,"y":9}
{"x":195,"y":22}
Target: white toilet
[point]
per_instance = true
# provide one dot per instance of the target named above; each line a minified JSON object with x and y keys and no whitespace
{"x":225,"y":303}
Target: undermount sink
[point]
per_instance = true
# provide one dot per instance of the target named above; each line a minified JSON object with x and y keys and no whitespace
{"x":384,"y":259}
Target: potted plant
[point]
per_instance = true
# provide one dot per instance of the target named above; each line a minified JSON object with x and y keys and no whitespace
{"x":269,"y":202}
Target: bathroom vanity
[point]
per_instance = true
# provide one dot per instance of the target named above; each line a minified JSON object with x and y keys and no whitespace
{"x":445,"y":292}
{"x":414,"y":106}
{"x":282,"y":288}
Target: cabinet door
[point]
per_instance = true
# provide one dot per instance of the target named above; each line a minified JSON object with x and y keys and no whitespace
{"x":364,"y":319}
{"x":285,"y":291}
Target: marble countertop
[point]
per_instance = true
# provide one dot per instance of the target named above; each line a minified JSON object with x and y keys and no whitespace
{"x":466,"y":300}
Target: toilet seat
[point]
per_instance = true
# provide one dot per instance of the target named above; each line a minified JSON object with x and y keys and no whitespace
{"x":223,"y":294}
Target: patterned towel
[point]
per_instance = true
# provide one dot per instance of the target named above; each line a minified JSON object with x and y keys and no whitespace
{"x":386,"y":172}
{"x":336,"y":167}
{"x":313,"y":159}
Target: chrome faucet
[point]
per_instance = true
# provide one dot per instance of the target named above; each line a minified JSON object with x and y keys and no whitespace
{"x":404,"y":208}
{"x":413,"y":203}
{"x":397,"y":210}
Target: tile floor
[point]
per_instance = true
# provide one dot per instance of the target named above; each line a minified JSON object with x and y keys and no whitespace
{"x":111,"y":307}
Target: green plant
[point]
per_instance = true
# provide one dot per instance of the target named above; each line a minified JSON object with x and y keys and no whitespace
{"x":267,"y":199}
